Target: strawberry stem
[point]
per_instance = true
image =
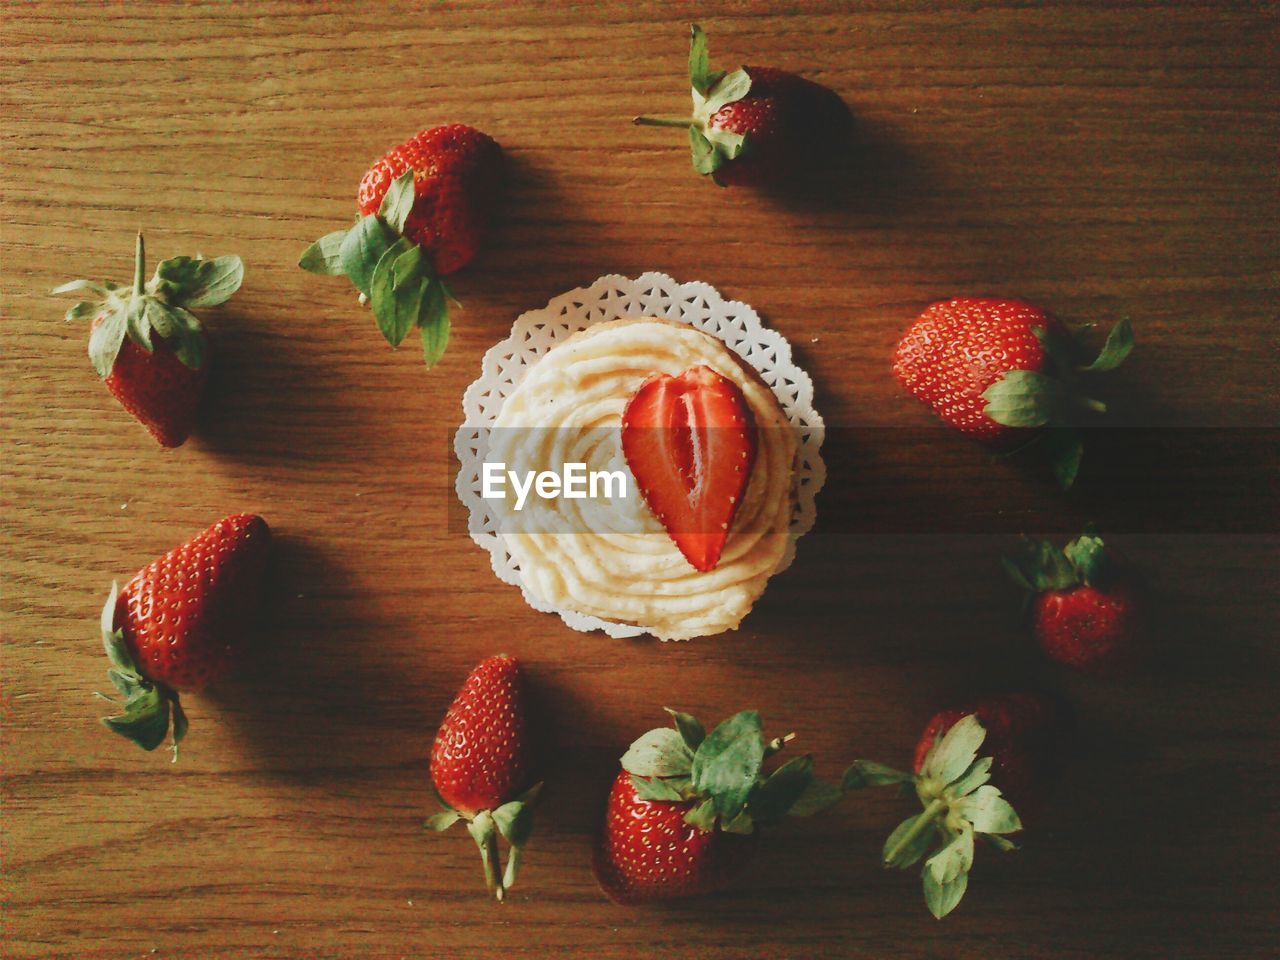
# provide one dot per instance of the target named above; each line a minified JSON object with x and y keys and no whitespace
{"x":660,"y":121}
{"x":513,"y":865}
{"x":490,"y":856}
{"x":485,"y":834}
{"x":139,"y":267}
{"x":777,"y":743}
{"x":923,"y":822}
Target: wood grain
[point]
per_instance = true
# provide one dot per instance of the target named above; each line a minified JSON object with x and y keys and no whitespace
{"x":1102,"y":158}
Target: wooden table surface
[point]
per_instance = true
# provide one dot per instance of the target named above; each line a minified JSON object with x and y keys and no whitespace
{"x":1105,"y":159}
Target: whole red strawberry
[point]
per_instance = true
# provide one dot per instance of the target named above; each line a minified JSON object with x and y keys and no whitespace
{"x":1087,"y":603}
{"x":1022,"y":730}
{"x":965,"y":763}
{"x":147,"y":345}
{"x":182,"y":622}
{"x":682,"y":814}
{"x":757,"y":126}
{"x":483,"y":764}
{"x":458,"y":173}
{"x":649,"y":851}
{"x":425,"y":208}
{"x":998,"y":369}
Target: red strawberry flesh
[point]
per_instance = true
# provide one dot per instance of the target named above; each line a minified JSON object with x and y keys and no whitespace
{"x":648,"y":852}
{"x":791,"y":123}
{"x":458,"y":174}
{"x":1090,"y":627}
{"x":482,"y":756}
{"x":187,"y":616}
{"x":161,"y":392}
{"x":690,"y":442}
{"x":958,"y":348}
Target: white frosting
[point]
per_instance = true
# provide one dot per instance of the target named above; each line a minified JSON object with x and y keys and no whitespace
{"x":619,"y":563}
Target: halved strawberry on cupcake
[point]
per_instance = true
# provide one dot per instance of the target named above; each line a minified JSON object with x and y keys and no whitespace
{"x":690,"y":441}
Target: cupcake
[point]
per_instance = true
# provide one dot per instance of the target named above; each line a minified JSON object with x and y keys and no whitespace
{"x":685,"y":468}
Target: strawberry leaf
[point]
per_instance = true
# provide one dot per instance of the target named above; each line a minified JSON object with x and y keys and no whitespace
{"x":727,"y":763}
{"x":909,"y":841}
{"x":443,"y":820}
{"x":126,"y":683}
{"x":1056,"y":571}
{"x":702,"y":815}
{"x":196,"y":282}
{"x":180,"y":724}
{"x":731,"y":88}
{"x":396,"y":308}
{"x":81,"y":310}
{"x":971,"y":779}
{"x":953,"y":859}
{"x":186,"y":319}
{"x":159,"y":318}
{"x":1024,"y":398}
{"x":818,"y":796}
{"x":988,"y":811}
{"x":433,"y":323}
{"x":362,"y":248}
{"x":515,"y":822}
{"x":397,"y":202}
{"x":742,"y":823}
{"x":106,"y":340}
{"x":1118,"y":346}
{"x":706,"y":159}
{"x":322,"y":257}
{"x":531,"y":795}
{"x":1064,"y":448}
{"x":866,"y":773}
{"x":409,"y":268}
{"x":408,"y":305}
{"x":76,"y":286}
{"x":955,"y":752}
{"x":145,"y":720}
{"x":941,"y":898}
{"x":146,"y":707}
{"x":1060,"y":346}
{"x":1042,"y":566}
{"x":699,"y":61}
{"x":728,"y":144}
{"x":1015,"y":573}
{"x":661,"y":752}
{"x":448,"y":294}
{"x":658,"y":789}
{"x":113,"y":639}
{"x":190,"y":347}
{"x":136,"y":323}
{"x":689,"y":727}
{"x":1088,"y":556}
{"x":772,"y":799}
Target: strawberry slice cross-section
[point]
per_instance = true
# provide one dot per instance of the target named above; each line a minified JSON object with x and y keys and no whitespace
{"x":690,"y":441}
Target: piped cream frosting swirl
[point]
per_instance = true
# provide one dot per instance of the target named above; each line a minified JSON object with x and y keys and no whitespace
{"x":613,"y":559}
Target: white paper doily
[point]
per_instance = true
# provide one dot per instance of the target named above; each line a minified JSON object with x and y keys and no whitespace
{"x":612,"y":298}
